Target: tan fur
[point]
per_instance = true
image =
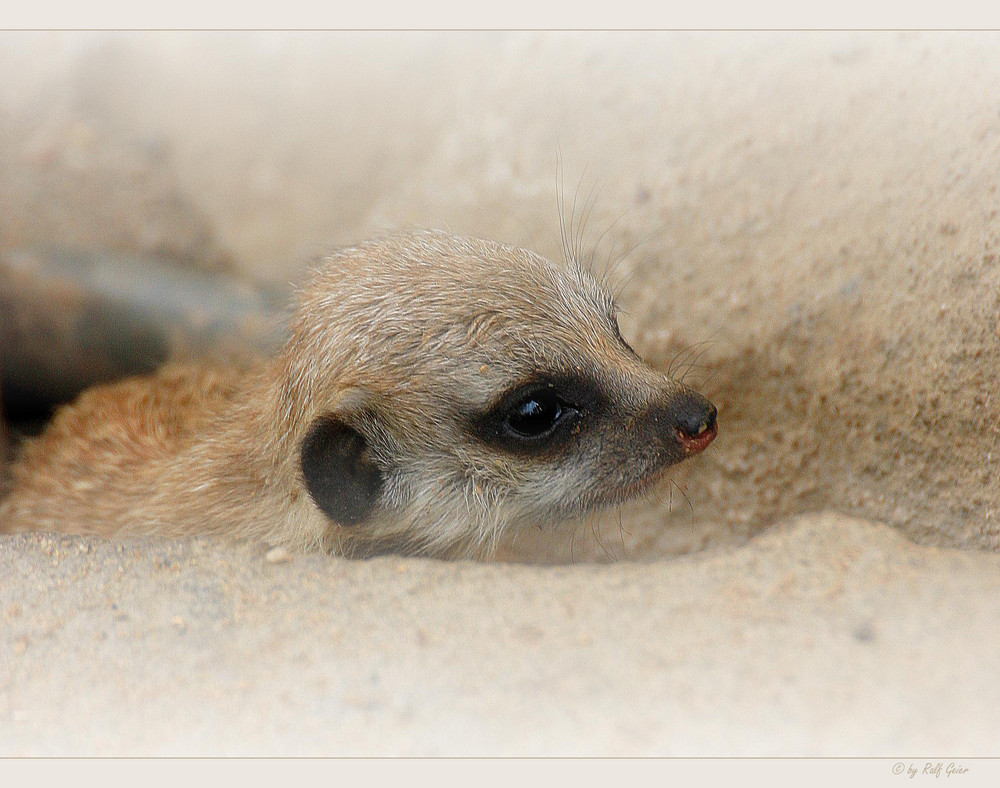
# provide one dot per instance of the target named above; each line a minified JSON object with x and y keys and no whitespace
{"x":420,"y":328}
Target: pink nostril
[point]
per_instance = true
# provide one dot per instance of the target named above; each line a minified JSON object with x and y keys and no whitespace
{"x":695,"y":443}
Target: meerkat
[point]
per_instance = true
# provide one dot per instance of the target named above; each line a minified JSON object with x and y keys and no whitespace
{"x":435,"y":391}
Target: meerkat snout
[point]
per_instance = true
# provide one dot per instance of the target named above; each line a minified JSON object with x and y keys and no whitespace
{"x":434,"y":393}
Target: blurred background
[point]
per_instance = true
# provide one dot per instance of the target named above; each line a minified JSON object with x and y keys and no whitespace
{"x":807,"y":227}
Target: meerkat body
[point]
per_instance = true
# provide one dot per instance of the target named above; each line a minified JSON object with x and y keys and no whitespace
{"x":434,"y":391}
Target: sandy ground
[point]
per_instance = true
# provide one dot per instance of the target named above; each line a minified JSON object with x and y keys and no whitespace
{"x":813,"y":236}
{"x":827,"y":635}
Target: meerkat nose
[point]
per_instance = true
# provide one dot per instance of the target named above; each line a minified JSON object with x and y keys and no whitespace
{"x":693,"y":417}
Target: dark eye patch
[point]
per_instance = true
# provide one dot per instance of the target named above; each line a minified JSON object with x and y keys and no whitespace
{"x":539,"y":416}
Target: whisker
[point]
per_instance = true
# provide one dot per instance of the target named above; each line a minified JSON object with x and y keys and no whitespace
{"x":572,"y":213}
{"x":612,"y":267}
{"x":596,"y":248}
{"x":597,"y":539}
{"x":620,"y":525}
{"x":683,"y":355}
{"x":707,"y":385}
{"x":622,"y":284}
{"x":693,"y":363}
{"x":684,"y":494}
{"x":585,"y":212}
{"x":621,"y":532}
{"x":561,"y":205}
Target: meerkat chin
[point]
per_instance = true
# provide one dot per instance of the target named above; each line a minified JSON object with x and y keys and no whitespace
{"x":434,"y":392}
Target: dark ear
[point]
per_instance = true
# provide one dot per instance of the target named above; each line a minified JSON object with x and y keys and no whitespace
{"x":339,"y":472}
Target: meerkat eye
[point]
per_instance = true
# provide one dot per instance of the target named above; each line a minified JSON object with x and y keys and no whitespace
{"x":538,"y":417}
{"x":538,"y":413}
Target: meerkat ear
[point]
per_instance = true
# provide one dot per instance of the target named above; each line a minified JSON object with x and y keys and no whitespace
{"x":342,"y":477}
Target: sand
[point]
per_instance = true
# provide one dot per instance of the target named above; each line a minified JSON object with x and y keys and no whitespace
{"x":827,"y":635}
{"x":813,"y":236}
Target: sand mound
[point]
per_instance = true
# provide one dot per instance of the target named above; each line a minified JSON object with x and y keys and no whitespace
{"x":826,"y":636}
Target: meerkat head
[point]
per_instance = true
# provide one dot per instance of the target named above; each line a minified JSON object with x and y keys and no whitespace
{"x":438,"y":390}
